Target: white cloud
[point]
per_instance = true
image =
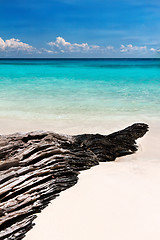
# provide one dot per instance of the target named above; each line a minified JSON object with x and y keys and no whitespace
{"x":2,"y":44}
{"x":95,"y":47}
{"x":60,"y":45}
{"x":155,"y":50}
{"x":63,"y":46}
{"x":14,"y":45}
{"x":130,"y":48}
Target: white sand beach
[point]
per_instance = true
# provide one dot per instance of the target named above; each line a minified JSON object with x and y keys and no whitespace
{"x":116,"y":200}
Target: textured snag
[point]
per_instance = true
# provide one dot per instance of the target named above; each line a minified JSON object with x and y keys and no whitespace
{"x":35,"y":167}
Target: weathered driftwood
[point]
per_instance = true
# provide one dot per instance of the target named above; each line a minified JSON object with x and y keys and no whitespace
{"x":35,"y":167}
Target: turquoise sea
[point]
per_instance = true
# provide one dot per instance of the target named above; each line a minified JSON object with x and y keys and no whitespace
{"x":54,"y":89}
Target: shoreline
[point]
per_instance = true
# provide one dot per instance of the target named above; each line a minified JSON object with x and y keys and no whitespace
{"x":115,"y":200}
{"x":72,"y":127}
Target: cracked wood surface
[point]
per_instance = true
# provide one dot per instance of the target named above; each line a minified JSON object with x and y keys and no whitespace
{"x":35,"y":167}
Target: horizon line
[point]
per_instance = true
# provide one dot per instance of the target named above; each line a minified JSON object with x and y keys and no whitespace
{"x":78,"y":58}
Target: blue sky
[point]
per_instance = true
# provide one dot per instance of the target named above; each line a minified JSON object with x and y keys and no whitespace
{"x":79,"y":28}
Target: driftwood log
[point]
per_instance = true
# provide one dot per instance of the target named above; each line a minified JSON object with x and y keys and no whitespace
{"x":35,"y":167}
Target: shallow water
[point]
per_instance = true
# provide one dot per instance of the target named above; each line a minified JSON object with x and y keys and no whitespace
{"x":79,"y":89}
{"x":119,"y":200}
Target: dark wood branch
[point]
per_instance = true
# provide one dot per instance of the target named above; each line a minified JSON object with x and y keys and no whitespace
{"x":35,"y":167}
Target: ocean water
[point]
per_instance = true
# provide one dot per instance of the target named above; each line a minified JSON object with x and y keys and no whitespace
{"x":71,"y":89}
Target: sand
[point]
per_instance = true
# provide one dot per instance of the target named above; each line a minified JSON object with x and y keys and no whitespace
{"x":116,"y":201}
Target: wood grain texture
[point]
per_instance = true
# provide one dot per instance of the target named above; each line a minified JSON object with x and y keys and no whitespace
{"x":35,"y":167}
